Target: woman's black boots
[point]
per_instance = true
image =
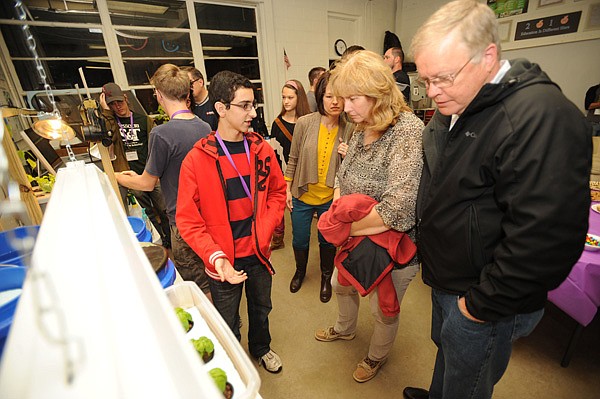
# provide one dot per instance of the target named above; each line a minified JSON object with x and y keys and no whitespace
{"x":327,"y":254}
{"x":301,"y":256}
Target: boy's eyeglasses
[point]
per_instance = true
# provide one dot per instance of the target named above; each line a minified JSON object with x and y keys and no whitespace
{"x":246,"y":106}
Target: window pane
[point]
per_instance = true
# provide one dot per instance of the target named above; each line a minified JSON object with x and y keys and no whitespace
{"x":147,"y":100}
{"x":258,"y":93}
{"x":83,"y":11}
{"x":228,"y":46}
{"x":248,"y":68}
{"x":154,"y":44}
{"x":165,"y":13}
{"x":54,"y":42}
{"x":214,"y":17}
{"x":64,"y":74}
{"x":140,"y":72}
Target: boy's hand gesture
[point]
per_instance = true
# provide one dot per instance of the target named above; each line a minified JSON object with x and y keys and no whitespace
{"x":228,"y":273}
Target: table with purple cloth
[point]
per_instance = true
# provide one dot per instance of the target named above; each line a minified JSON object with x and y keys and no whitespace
{"x":579,"y":295}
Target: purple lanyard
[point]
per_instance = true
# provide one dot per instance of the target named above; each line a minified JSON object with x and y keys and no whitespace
{"x":122,"y":129}
{"x":228,"y":155}
{"x":181,"y":111}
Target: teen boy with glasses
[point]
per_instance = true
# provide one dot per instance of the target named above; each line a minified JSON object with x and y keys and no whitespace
{"x":231,"y":198}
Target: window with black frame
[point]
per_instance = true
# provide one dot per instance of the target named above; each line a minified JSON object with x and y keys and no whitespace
{"x":70,"y":34}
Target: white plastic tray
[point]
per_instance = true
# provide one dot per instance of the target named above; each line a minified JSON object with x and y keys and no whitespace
{"x":229,"y":354}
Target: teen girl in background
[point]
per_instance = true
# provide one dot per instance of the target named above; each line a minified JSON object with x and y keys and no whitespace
{"x":294,"y":104}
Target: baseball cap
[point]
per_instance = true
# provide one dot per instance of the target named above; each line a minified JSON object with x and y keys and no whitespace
{"x":113,"y":92}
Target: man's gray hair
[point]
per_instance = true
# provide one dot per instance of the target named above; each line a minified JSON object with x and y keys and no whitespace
{"x":474,"y":22}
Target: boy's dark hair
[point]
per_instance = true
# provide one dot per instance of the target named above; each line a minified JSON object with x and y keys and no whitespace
{"x":224,"y":85}
{"x":314,"y":74}
{"x":320,"y":89}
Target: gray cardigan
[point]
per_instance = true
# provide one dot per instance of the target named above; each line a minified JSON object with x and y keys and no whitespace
{"x":302,"y":165}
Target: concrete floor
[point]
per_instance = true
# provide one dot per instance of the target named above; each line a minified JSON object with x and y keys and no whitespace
{"x":313,"y":369}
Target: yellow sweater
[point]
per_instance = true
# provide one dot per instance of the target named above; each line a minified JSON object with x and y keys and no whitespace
{"x":320,"y":193}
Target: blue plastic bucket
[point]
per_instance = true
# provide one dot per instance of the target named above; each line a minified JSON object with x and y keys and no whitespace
{"x":9,"y":255}
{"x":166,"y":275}
{"x":139,"y":228}
{"x":11,"y":278}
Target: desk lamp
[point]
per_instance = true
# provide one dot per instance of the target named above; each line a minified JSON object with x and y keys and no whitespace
{"x":49,"y":125}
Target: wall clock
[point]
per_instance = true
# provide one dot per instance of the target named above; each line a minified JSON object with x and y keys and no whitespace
{"x":340,"y":47}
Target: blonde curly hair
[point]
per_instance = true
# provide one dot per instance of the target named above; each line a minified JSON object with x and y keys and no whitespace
{"x":364,"y":73}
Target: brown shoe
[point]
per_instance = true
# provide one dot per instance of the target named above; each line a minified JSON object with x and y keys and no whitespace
{"x":329,"y":334}
{"x":277,"y":242}
{"x":367,"y":369}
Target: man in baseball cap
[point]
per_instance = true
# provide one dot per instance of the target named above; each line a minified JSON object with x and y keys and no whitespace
{"x":113,"y":92}
{"x":131,"y":151}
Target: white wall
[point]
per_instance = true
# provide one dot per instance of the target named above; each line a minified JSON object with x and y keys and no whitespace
{"x":301,"y":27}
{"x":572,"y":65}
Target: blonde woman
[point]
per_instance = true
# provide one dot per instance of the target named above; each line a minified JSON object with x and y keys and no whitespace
{"x":383,"y":162}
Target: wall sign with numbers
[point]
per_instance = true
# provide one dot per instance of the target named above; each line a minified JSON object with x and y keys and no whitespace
{"x":548,"y":26}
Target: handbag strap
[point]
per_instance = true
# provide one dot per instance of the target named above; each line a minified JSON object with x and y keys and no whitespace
{"x":283,"y":128}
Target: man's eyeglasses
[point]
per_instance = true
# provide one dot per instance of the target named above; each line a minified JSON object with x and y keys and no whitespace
{"x":246,"y":106}
{"x":444,"y":81}
{"x":194,"y":81}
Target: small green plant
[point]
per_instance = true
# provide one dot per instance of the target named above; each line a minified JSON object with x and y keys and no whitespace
{"x":45,"y":182}
{"x":203,"y":345}
{"x":162,"y":116}
{"x":219,"y":377}
{"x":184,"y":318}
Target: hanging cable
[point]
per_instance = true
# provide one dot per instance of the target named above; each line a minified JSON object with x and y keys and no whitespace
{"x":31,"y":44}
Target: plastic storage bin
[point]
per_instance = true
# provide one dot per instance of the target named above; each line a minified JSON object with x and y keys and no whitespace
{"x":229,"y":354}
{"x":9,"y":255}
{"x":166,"y":275}
{"x":139,"y":228}
{"x":11,"y":278}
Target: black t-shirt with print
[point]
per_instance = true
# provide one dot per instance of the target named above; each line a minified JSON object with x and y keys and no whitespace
{"x":135,"y":139}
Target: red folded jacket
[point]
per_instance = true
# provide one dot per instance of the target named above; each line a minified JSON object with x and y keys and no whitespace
{"x":365,"y":261}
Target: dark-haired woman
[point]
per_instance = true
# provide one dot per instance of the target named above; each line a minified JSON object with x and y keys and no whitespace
{"x":310,"y":174}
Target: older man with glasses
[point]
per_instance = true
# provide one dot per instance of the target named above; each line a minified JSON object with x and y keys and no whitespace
{"x":502,"y":210}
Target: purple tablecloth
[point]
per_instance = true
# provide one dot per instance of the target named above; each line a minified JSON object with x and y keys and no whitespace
{"x":579,"y":295}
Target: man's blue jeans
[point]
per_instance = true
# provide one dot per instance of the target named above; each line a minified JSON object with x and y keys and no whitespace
{"x":472,"y":356}
{"x":302,"y":217}
{"x":226,"y":298}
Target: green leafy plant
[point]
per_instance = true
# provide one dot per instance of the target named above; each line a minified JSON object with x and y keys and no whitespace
{"x":46,"y":182}
{"x":184,"y":318}
{"x":219,"y":377}
{"x":162,"y":116}
{"x":203,"y":345}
